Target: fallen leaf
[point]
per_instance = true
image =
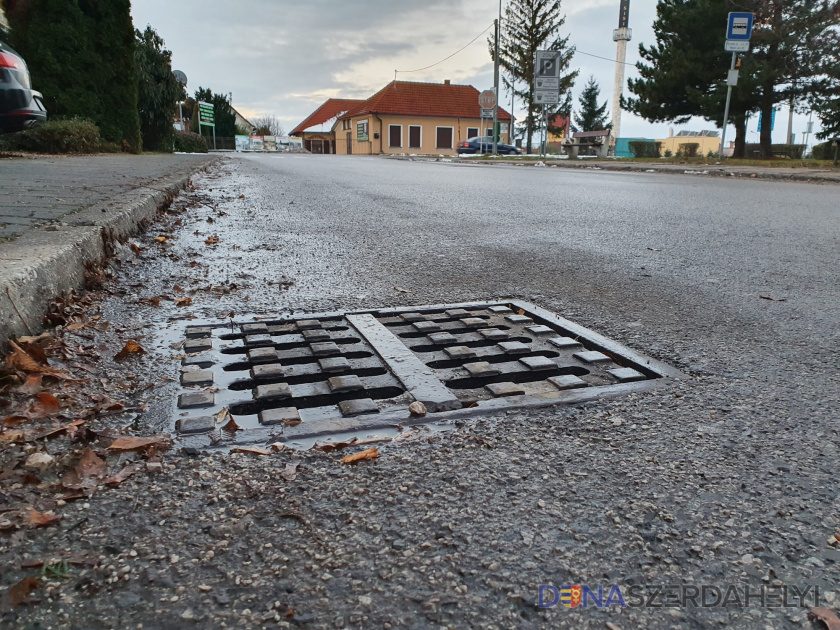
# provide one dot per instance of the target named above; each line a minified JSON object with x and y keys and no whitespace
{"x":231,"y":426}
{"x":290,"y":472}
{"x":177,"y":288}
{"x":222,"y":415}
{"x":772,"y":299}
{"x":41,"y":519}
{"x":278,"y":446}
{"x":211,"y":240}
{"x":87,"y":473}
{"x":132,"y":443}
{"x":135,"y":249}
{"x":46,"y":404}
{"x":401,"y":290}
{"x":250,"y":449}
{"x":132,"y":347}
{"x":20,"y":593}
{"x":32,"y":384}
{"x":161,"y":239}
{"x":827,"y":616}
{"x":521,"y":311}
{"x":42,"y":337}
{"x":75,"y":326}
{"x":22,"y":361}
{"x":124,"y":474}
{"x":15,"y":421}
{"x":371,"y":453}
{"x":329,"y":447}
{"x":182,"y":301}
{"x":242,"y":196}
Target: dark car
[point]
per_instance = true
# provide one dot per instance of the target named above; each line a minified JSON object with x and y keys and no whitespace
{"x":20,"y":105}
{"x":484,"y":144}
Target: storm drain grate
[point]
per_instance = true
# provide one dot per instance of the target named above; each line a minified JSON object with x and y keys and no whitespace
{"x":299,"y":377}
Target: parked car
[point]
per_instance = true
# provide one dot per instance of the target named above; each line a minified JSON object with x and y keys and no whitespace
{"x":484,"y":144}
{"x":21,"y":107}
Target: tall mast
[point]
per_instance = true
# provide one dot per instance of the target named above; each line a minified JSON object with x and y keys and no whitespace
{"x":621,"y":36}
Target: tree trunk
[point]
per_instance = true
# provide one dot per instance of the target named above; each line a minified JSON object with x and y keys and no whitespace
{"x":740,"y":149}
{"x":529,"y":125}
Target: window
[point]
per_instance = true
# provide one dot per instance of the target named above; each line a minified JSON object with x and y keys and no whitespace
{"x":444,"y":137}
{"x":415,"y":137}
{"x":472,"y":132}
{"x":489,"y":131}
{"x":395,"y":136}
{"x":345,"y":124}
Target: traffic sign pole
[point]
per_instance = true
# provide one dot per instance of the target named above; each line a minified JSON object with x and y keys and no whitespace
{"x":496,"y":83}
{"x":726,"y":110}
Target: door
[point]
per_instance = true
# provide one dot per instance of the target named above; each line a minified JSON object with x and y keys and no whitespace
{"x":349,"y":143}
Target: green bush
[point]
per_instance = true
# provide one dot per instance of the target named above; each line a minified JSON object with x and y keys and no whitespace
{"x":645,"y":148}
{"x":57,"y":136}
{"x":190,"y":143}
{"x":824,"y":151}
{"x":793,"y":151}
{"x":669,"y":153}
{"x":690,"y":149}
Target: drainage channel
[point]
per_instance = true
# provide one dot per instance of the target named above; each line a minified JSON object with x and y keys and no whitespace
{"x":296,"y":378}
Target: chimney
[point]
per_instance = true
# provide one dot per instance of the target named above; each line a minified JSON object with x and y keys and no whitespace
{"x":446,"y":81}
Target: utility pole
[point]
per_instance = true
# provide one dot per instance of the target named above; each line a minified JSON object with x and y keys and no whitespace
{"x":726,"y":109}
{"x":621,"y":36}
{"x":496,"y":83}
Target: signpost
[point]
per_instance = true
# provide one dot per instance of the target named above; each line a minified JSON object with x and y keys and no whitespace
{"x":487,"y":102}
{"x":738,"y":33}
{"x":181,"y":78}
{"x":546,"y":85}
{"x":207,"y":118}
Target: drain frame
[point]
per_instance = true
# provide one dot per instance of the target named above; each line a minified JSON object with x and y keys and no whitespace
{"x":419,"y":380}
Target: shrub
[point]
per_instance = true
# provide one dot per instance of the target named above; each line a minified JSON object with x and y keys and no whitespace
{"x":824,"y":151}
{"x":689,"y":149}
{"x":57,"y":136}
{"x":669,"y":153}
{"x":793,"y":151}
{"x":187,"y":142}
{"x":645,"y":148}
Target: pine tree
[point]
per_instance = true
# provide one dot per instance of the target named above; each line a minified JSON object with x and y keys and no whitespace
{"x":81,"y":57}
{"x":158,"y":91}
{"x":591,"y":116}
{"x":223,"y":115}
{"x":529,"y":26}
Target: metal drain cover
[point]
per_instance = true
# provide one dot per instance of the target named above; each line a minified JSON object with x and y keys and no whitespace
{"x":295,"y":378}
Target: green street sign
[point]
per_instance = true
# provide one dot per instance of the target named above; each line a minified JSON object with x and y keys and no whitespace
{"x":205,"y":114}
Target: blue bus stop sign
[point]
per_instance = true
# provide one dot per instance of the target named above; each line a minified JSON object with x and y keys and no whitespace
{"x":739,"y":26}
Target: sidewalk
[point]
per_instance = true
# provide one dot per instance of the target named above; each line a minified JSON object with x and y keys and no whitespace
{"x":54,"y":211}
{"x":762,"y":172}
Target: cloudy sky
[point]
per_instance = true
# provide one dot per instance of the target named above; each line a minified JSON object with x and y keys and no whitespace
{"x":285,"y":57}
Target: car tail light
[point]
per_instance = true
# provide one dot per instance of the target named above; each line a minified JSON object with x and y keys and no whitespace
{"x":9,"y":61}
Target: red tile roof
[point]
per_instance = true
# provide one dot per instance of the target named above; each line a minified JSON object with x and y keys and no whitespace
{"x":424,"y":99}
{"x":329,"y":110}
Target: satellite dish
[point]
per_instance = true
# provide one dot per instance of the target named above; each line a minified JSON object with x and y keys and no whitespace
{"x":180,"y":77}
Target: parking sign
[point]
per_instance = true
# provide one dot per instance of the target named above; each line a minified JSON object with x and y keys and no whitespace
{"x":547,"y":64}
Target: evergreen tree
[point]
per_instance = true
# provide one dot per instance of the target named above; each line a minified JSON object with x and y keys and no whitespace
{"x":224,"y":117}
{"x":529,"y":26}
{"x":81,"y":57}
{"x":158,"y":91}
{"x":591,"y":116}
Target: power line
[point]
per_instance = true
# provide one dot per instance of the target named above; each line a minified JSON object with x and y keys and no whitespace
{"x":447,"y":58}
{"x":604,"y":58}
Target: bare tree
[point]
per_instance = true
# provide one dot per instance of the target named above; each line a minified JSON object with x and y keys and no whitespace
{"x":267,"y":125}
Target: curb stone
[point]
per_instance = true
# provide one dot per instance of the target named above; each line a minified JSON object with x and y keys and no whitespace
{"x":41,"y":264}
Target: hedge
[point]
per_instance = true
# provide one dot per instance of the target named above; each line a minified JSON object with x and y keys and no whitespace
{"x":645,"y":149}
{"x":57,"y":136}
{"x":190,"y":143}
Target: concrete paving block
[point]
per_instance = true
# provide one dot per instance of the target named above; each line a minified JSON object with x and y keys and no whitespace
{"x":255,"y":329}
{"x":627,"y":375}
{"x":482,"y":368}
{"x":198,"y":345}
{"x":565,"y":343}
{"x":592,"y":356}
{"x":197,"y":378}
{"x":334,"y":364}
{"x":325,"y":349}
{"x":349,"y":383}
{"x":501,"y":390}
{"x":267,"y":371}
{"x":363,"y":406}
{"x":197,"y":332}
{"x":192,"y":426}
{"x":442,"y":338}
{"x":191,"y":400}
{"x":538,"y":363}
{"x":261,"y":339}
{"x":567,"y":381}
{"x":427,"y":327}
{"x":273,"y":391}
{"x":493,"y":334}
{"x":262,"y":355}
{"x":288,"y":416}
{"x":460,"y":352}
{"x":514,"y":347}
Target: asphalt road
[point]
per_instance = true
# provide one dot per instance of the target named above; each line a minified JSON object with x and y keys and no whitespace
{"x":727,"y":477}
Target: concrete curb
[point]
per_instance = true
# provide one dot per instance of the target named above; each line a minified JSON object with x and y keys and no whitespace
{"x":41,"y":264}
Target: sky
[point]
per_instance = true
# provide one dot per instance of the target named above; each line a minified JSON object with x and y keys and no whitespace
{"x":285,"y":57}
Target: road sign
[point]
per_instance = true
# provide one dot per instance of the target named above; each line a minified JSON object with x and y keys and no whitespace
{"x":732,"y":79}
{"x":739,"y":26}
{"x":487,"y":113}
{"x":736,"y":45}
{"x":546,"y":98}
{"x":547,"y":64}
{"x":548,"y":83}
{"x":487,"y":99}
{"x":206,"y":115}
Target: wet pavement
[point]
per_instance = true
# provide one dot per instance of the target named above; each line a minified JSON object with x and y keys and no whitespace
{"x":726,"y":478}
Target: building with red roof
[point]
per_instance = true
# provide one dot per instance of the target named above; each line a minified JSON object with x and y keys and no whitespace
{"x":415,"y":118}
{"x":316,"y":131}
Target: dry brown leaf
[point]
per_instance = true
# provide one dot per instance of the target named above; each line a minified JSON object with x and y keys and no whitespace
{"x":222,"y":415}
{"x":177,"y":288}
{"x":827,"y":616}
{"x":15,"y":421}
{"x":161,"y":239}
{"x":42,"y":337}
{"x":32,"y":384}
{"x":20,"y":593}
{"x":182,"y":301}
{"x":135,"y":249}
{"x":231,"y":426}
{"x":125,"y":473}
{"x":75,"y":326}
{"x":132,"y":443}
{"x":250,"y":449}
{"x":44,"y":406}
{"x":521,"y":311}
{"x":290,"y":472}
{"x":20,"y":360}
{"x":87,"y":473}
{"x":371,"y":453}
{"x":131,"y":348}
{"x":212,"y":240}
{"x":329,"y":447}
{"x":41,"y":519}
